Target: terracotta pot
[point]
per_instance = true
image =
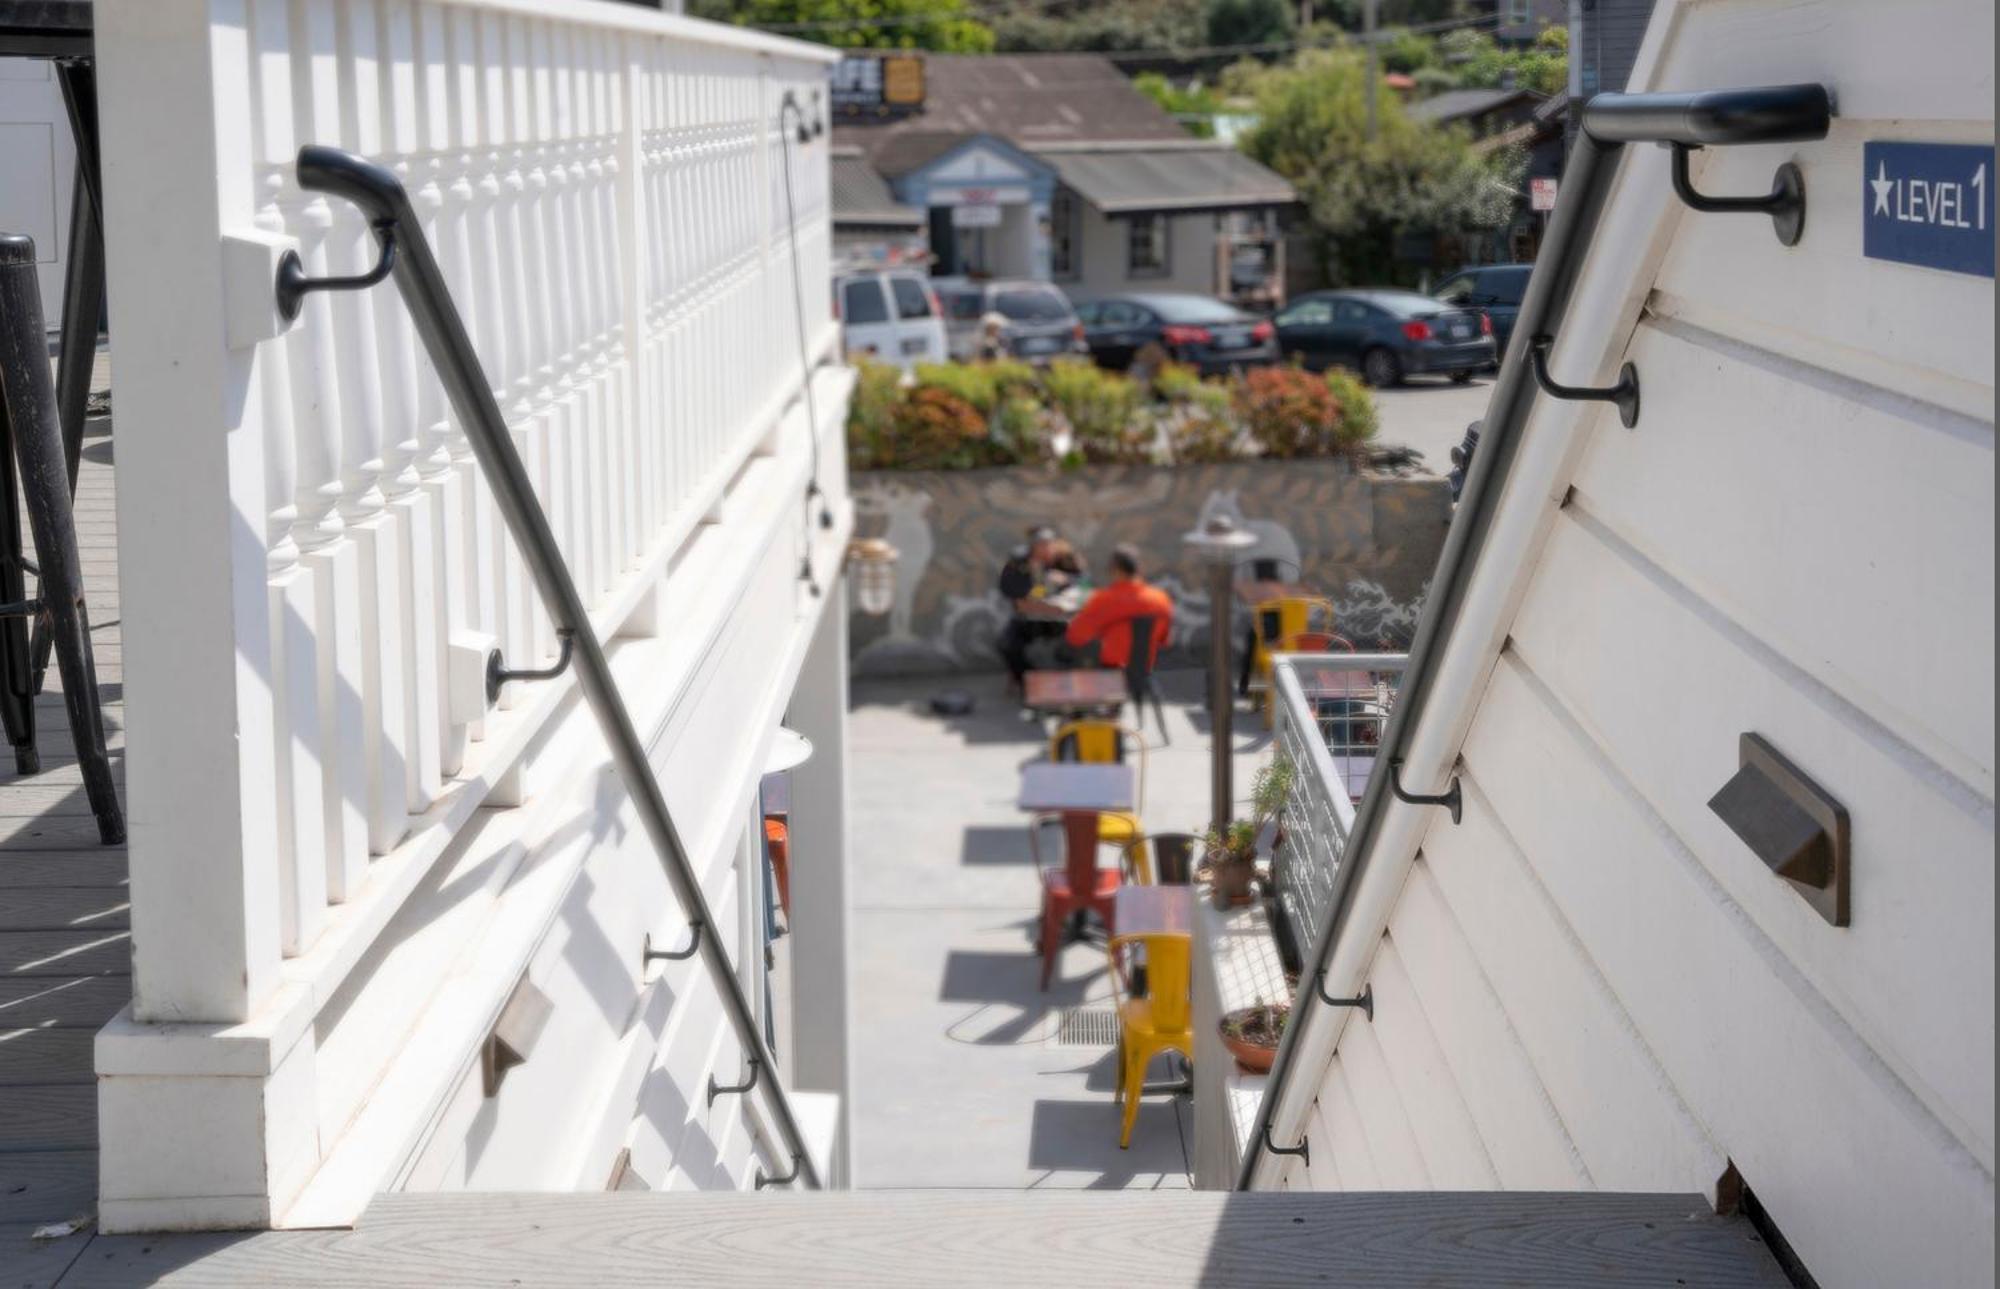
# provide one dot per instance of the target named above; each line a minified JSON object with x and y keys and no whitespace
{"x":1231,"y":878}
{"x":1253,"y":1056}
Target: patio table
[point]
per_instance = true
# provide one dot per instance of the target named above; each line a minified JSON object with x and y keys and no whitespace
{"x":1084,"y":689}
{"x":1071,"y":787}
{"x":1155,"y":910}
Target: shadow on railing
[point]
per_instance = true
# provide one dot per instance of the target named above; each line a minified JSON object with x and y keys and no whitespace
{"x":382,"y":198}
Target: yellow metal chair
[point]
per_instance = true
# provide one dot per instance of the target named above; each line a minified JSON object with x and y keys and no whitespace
{"x":1272,"y":624}
{"x":1159,"y":1021}
{"x":1095,"y":742}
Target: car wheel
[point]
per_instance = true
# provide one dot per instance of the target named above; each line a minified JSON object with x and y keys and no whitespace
{"x":1380,"y":367}
{"x":1461,"y":377}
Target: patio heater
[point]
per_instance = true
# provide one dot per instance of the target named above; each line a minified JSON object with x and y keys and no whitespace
{"x":1220,"y":544}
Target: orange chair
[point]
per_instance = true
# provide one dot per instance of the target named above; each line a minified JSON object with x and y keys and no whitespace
{"x":1078,"y":885}
{"x":1159,"y":1021}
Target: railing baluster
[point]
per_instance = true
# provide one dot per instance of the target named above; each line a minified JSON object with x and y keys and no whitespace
{"x":294,"y":663}
{"x":444,"y":482}
{"x":370,"y":526}
{"x":412,"y":606}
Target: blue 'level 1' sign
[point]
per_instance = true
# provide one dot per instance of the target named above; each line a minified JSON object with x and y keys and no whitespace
{"x":1928,"y":204}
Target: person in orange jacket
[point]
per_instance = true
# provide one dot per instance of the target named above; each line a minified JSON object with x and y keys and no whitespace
{"x":1107,"y":616}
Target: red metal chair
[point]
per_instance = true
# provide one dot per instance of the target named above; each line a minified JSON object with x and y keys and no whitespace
{"x":1074,"y":887}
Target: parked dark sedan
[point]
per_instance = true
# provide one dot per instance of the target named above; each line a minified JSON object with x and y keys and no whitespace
{"x":1213,"y":336}
{"x":1385,"y":334}
{"x":1493,"y":289}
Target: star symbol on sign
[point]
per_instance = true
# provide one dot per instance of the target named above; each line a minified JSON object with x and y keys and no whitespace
{"x":1882,"y":184}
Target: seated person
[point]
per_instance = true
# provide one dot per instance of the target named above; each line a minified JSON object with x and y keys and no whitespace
{"x":1026,"y":579}
{"x":1107,"y":616}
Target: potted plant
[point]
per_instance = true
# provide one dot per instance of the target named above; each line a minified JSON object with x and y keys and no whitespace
{"x":1251,"y":1034}
{"x":1232,"y":854}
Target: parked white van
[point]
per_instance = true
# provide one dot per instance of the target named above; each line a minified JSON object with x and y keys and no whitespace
{"x":892,"y":316}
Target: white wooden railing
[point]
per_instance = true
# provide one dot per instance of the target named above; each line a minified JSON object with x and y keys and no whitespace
{"x":604,"y":187}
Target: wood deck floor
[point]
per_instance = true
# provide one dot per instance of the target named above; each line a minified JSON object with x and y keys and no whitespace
{"x":936,"y":1238}
{"x":65,"y":965}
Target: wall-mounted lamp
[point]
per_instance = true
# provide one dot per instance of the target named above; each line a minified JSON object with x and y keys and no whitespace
{"x":1791,"y":823}
{"x":873,"y":563}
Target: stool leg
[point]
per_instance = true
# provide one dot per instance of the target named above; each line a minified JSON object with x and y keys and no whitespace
{"x":29,"y":392}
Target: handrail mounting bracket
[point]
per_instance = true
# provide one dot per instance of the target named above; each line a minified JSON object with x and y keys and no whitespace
{"x":1624,"y":395}
{"x":1785,"y":203}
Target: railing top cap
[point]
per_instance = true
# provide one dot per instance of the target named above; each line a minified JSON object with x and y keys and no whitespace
{"x":1758,"y":114}
{"x":625,"y":17}
{"x":1349,"y":661}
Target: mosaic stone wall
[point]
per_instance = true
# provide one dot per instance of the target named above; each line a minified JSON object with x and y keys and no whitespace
{"x":1367,"y":541}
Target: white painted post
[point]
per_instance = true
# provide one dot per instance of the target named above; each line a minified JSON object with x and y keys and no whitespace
{"x":201,"y":786}
{"x":821,"y":1058}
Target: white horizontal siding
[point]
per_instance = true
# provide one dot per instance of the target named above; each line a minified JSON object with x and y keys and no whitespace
{"x":1913,"y":975}
{"x":1797,"y":540}
{"x":1810,"y":1114}
{"x":1517,"y":1122}
{"x":1379,"y":1103}
{"x":1454,"y":1156}
{"x":1846,"y":526}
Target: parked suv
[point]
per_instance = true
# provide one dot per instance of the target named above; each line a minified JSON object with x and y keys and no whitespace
{"x":893,"y":315}
{"x":1493,"y":289}
{"x":1039,"y":323}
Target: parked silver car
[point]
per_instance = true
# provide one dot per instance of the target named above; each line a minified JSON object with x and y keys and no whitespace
{"x":1034,"y":320}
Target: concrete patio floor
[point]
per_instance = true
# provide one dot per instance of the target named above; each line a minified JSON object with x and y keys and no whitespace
{"x":962,"y":1078}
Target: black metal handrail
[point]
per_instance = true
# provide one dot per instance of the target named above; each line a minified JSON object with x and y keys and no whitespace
{"x":1771,"y":114}
{"x":380,"y":195}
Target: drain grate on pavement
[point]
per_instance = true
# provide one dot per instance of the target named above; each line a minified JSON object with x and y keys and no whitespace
{"x":1087,"y":1027}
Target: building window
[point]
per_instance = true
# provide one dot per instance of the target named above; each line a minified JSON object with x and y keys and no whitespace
{"x":1517,"y":12}
{"x":1063,"y":220}
{"x":1146,"y":245}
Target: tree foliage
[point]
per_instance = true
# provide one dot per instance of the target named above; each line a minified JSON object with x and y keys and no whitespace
{"x":1477,"y":61}
{"x":1034,"y":26}
{"x":1362,"y":193}
{"x":1194,"y":107}
{"x":1248,"y":22}
{"x":945,"y":26}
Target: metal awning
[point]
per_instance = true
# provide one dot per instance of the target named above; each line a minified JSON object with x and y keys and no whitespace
{"x":861,"y":198}
{"x":1139,"y":180}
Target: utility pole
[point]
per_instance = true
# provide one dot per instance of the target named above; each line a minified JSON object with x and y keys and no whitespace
{"x":1374,"y":73}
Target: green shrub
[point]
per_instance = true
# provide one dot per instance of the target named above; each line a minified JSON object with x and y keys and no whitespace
{"x":972,"y":382}
{"x":1012,"y":376}
{"x":1020,"y":429}
{"x":1101,"y":409}
{"x":1355,"y":403}
{"x":1176,"y":382}
{"x":1290,"y":412}
{"x":878,"y":388}
{"x":935,"y":429}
